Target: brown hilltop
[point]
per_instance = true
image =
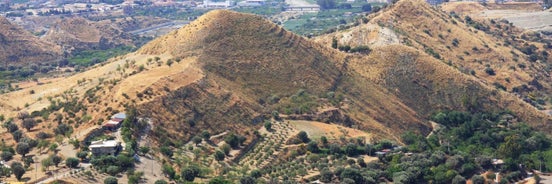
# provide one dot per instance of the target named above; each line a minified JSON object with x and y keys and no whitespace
{"x":454,"y":40}
{"x":428,"y":84}
{"x":19,"y":47}
{"x":248,"y":60}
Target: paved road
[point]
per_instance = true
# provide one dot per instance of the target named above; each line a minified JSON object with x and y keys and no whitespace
{"x":174,"y":24}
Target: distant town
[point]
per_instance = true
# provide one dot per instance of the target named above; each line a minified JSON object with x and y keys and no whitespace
{"x":22,"y":8}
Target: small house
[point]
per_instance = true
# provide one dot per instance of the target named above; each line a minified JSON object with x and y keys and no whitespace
{"x":119,"y":117}
{"x":105,"y":147}
{"x":111,"y":125}
{"x":114,"y":122}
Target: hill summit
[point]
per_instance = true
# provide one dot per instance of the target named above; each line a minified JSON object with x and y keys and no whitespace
{"x":253,"y":68}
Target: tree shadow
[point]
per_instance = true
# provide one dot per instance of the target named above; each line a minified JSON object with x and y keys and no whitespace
{"x":26,"y":179}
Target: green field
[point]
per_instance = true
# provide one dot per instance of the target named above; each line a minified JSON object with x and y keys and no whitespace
{"x":318,"y":23}
{"x":90,"y":57}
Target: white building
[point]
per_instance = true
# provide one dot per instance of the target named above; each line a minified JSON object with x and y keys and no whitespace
{"x":105,"y":147}
{"x":224,"y":4}
{"x":252,"y":3}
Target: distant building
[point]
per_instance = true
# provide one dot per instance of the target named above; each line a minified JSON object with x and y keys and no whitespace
{"x":105,"y":147}
{"x":252,"y":3}
{"x":224,"y":4}
{"x":308,"y":8}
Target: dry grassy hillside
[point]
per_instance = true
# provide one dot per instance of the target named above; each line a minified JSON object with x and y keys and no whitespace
{"x":254,"y":67}
{"x":426,"y":85}
{"x":227,"y":72}
{"x":493,"y":51}
{"x":465,"y":8}
{"x":18,"y":47}
{"x":77,"y":33}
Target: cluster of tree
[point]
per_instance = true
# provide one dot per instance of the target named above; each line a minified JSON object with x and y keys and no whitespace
{"x":52,"y":160}
{"x":187,"y":173}
{"x":477,"y":25}
{"x":113,"y":164}
{"x":234,"y":140}
{"x":112,"y":2}
{"x":346,"y":48}
{"x":24,"y":144}
{"x":54,"y":12}
{"x":131,"y":128}
{"x":466,"y":146}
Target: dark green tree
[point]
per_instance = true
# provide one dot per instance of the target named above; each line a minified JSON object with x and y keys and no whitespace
{"x":72,"y":162}
{"x":188,"y":174}
{"x":334,"y":43}
{"x":255,"y":173}
{"x":28,"y":124}
{"x":458,"y":180}
{"x":22,"y":148}
{"x":268,"y":125}
{"x":196,"y":140}
{"x":478,"y":179}
{"x":6,"y":155}
{"x":82,"y":155}
{"x":219,"y":155}
{"x":110,"y":180}
{"x":206,"y":135}
{"x":18,"y":170}
{"x":303,"y":136}
{"x":17,"y":135}
{"x":113,"y":170}
{"x":144,"y":150}
{"x":226,"y":148}
{"x":247,"y":180}
{"x":169,"y":170}
{"x":324,"y":140}
{"x":313,"y":147}
{"x":326,"y":175}
{"x":56,"y":159}
{"x":161,"y":182}
{"x":232,"y":140}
